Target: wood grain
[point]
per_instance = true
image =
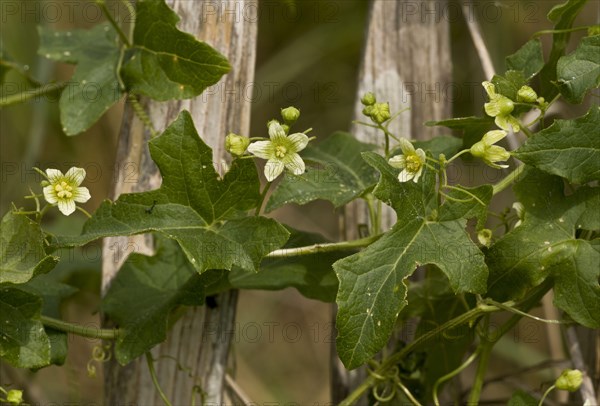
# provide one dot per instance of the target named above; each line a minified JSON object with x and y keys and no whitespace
{"x":200,"y":340}
{"x":407,"y":62}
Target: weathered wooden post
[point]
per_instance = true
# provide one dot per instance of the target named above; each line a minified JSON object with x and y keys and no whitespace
{"x":200,"y":339}
{"x":407,"y":62}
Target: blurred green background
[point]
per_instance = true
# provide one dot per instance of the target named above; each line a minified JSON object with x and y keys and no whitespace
{"x":308,"y":56}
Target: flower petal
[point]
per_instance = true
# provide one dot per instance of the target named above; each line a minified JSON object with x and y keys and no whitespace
{"x":496,"y":153}
{"x":516,"y":125}
{"x":53,"y":175}
{"x":276,"y":131}
{"x":418,"y":175}
{"x":398,"y":161}
{"x":273,"y":169}
{"x":262,"y":149}
{"x":76,"y":175}
{"x":492,"y":137}
{"x":50,"y":194}
{"x":295,"y":164}
{"x":421,"y":154}
{"x":502,"y":122}
{"x":81,"y":195}
{"x":492,"y":108}
{"x":299,"y":141}
{"x":405,"y":176}
{"x":66,"y":206}
{"x":406,"y":146}
{"x":490,"y":88}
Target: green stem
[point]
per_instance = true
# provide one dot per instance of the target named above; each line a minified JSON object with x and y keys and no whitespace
{"x":524,"y":314}
{"x":114,"y":23}
{"x":485,"y":350}
{"x":395,"y":358}
{"x":31,"y":93}
{"x":408,"y":394}
{"x":545,"y":395}
{"x":329,"y":247}
{"x":452,"y":374}
{"x":526,"y":130}
{"x":261,"y":199}
{"x":84,"y":211}
{"x":131,"y":11}
{"x":564,"y":31}
{"x":464,"y":151}
{"x":506,"y":182}
{"x":162,"y":395}
{"x":99,"y":333}
{"x":141,"y":114}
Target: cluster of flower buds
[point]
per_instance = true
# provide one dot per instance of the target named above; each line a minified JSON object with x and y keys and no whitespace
{"x":379,"y":113}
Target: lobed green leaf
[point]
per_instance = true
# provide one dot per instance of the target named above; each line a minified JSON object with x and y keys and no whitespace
{"x":143,"y":294}
{"x":193,"y":206}
{"x":166,"y":63}
{"x":372,"y":288}
{"x":546,"y":245}
{"x":23,"y":341}
{"x":579,"y":71}
{"x":568,"y":148}
{"x":22,"y":249}
{"x":529,"y":59}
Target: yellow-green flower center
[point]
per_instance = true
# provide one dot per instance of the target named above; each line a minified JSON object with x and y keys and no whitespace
{"x":63,"y":190}
{"x":280,"y":151}
{"x":413,"y":163}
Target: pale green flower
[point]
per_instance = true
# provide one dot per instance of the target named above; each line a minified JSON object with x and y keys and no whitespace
{"x":490,"y":153}
{"x":570,"y":380}
{"x":527,"y":94}
{"x":64,"y":190}
{"x":14,"y":397}
{"x":236,"y":144}
{"x":281,"y":151}
{"x":411,"y":162}
{"x":501,"y":108}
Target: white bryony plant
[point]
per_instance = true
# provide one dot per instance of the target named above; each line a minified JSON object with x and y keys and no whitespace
{"x":64,"y":190}
{"x":411,"y":162}
{"x":281,"y":151}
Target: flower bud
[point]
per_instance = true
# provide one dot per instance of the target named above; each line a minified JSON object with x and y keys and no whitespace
{"x":368,"y":99}
{"x":380,"y":112}
{"x":290,"y":115}
{"x":236,"y":144}
{"x":527,"y":94}
{"x":500,"y":106}
{"x":594,"y":30}
{"x":367,"y":111}
{"x":14,"y":397}
{"x":484,"y":236}
{"x":570,"y":380}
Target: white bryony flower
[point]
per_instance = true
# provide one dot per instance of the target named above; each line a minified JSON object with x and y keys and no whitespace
{"x":411,"y":162}
{"x":281,"y":151}
{"x":501,"y":108}
{"x":490,"y":153}
{"x":64,"y":190}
